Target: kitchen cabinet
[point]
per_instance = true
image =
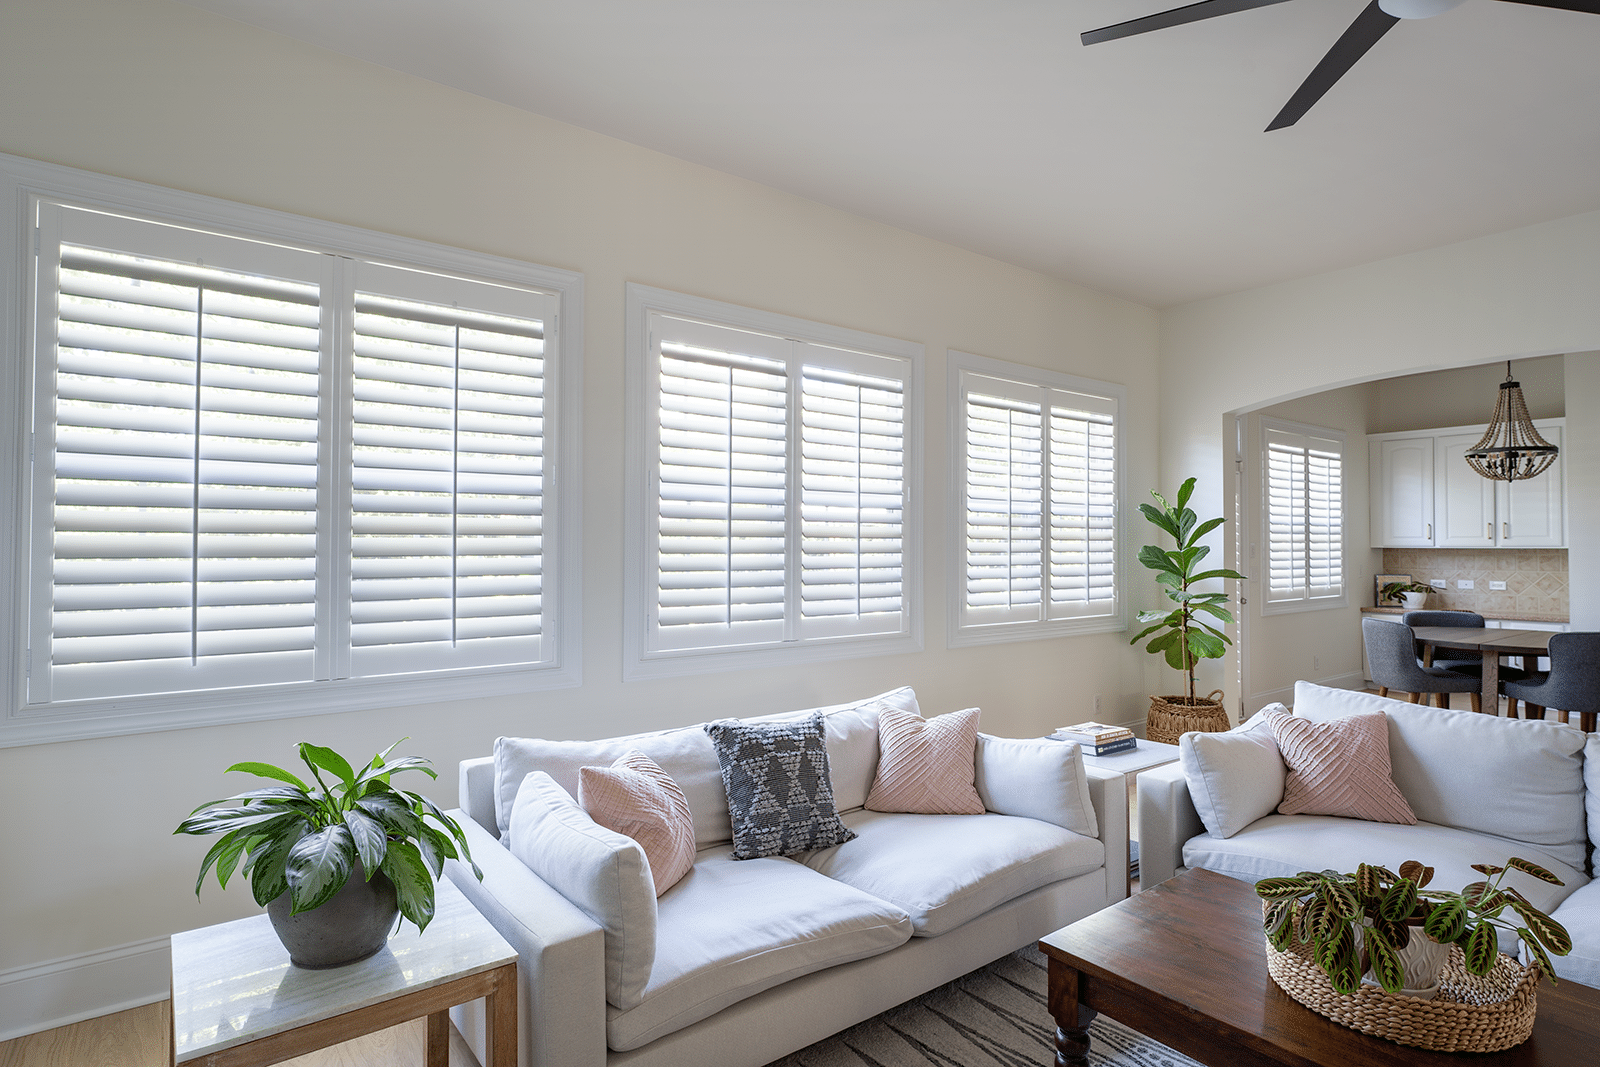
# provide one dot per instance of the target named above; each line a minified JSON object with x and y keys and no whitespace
{"x":1424,"y":495}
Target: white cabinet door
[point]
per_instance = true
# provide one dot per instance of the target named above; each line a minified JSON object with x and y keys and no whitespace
{"x":1529,"y":514}
{"x":1464,"y":500}
{"x":1402,"y":515}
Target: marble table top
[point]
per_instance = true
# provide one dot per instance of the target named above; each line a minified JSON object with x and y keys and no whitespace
{"x":233,"y":983}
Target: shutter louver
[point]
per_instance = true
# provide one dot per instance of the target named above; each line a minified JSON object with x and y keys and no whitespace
{"x":447,"y":484}
{"x":185,"y":476}
{"x":1004,"y":507}
{"x":852,"y":491}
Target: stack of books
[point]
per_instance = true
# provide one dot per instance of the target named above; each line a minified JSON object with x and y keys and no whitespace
{"x":1098,"y":739}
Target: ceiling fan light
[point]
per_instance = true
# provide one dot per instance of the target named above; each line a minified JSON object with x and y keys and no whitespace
{"x":1511,"y":449}
{"x":1417,"y":9}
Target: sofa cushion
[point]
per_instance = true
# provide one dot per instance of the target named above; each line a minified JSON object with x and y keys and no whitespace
{"x":1441,"y":759}
{"x":633,"y":796}
{"x":926,"y":765}
{"x":734,"y":928}
{"x":1591,"y":793}
{"x":1036,"y":778}
{"x":686,"y":754}
{"x":1235,"y":776}
{"x":780,"y":797}
{"x":604,"y":873}
{"x":1285,"y":845}
{"x":1339,"y":767}
{"x":943,"y":870}
{"x":1580,"y":914}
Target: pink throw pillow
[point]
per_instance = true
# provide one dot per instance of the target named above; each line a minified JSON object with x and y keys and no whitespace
{"x":1339,"y":767}
{"x":633,"y":796}
{"x":926,"y":765}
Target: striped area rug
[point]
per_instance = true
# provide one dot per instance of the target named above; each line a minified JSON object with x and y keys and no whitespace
{"x":993,"y":1017}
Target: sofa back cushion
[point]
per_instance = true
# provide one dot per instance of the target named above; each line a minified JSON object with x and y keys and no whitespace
{"x":1235,"y":777}
{"x":687,"y":755}
{"x":1517,"y":779}
{"x":1591,"y":776}
{"x":1035,"y":778}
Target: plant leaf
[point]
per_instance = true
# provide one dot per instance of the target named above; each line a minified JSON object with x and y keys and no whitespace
{"x":1385,"y":960}
{"x":1205,"y":576}
{"x":1447,"y":920}
{"x":1157,"y":560}
{"x":318,"y":867}
{"x":267,"y":770}
{"x":1283,"y":888}
{"x":1185,"y":491}
{"x":268,"y":863}
{"x":1527,"y":867}
{"x":1400,"y":901}
{"x":1205,"y":528}
{"x":370,"y":838}
{"x":1206,"y":645}
{"x":223,"y":820}
{"x":1474,"y":893}
{"x":1482,"y":946}
{"x":391,"y":810}
{"x":1538,"y":954}
{"x":413,"y":885}
{"x":328,"y":760}
{"x":1342,"y":900}
{"x":1547,"y":930}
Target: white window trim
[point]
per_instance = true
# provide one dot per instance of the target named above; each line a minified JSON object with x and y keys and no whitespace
{"x":958,"y":636}
{"x":22,"y":183}
{"x":1301,"y":603}
{"x":638,"y":662}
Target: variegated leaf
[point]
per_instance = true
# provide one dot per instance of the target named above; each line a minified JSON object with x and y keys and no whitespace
{"x":1526,"y":867}
{"x":1481,"y":949}
{"x":1385,"y":960}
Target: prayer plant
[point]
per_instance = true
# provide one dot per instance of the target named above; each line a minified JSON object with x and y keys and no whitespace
{"x":1361,"y":920}
{"x":304,"y":840}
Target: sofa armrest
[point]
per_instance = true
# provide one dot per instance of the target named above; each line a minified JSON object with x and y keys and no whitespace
{"x":1167,"y":819}
{"x":1108,"y":792}
{"x":561,"y":980}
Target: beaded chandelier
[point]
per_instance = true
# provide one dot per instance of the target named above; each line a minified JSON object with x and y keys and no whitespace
{"x":1511,"y":448}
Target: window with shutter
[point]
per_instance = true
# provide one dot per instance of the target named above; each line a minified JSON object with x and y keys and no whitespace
{"x":773,"y":468}
{"x":267,"y":472}
{"x":1035,"y":486}
{"x":1303,"y":472}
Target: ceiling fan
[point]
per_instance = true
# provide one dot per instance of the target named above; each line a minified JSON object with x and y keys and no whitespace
{"x":1375,"y":20}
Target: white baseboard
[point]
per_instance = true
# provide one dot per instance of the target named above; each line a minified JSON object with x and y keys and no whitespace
{"x":74,"y":988}
{"x":1256,"y":701}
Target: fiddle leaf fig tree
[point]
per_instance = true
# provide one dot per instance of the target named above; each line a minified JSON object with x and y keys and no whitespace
{"x":1181,"y":635}
{"x":304,"y":839}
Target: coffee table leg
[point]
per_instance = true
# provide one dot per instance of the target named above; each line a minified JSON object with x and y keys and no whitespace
{"x":1072,"y":1018}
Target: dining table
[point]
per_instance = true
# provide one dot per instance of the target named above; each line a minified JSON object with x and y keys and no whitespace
{"x":1493,"y":643}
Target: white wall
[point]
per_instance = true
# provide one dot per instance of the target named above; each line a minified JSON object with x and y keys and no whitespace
{"x":1523,"y":293}
{"x":1581,"y":454}
{"x":159,"y":92}
{"x":1465,"y":396}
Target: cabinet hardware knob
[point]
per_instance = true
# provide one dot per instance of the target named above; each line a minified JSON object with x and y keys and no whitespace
{"x":1505,"y":529}
{"x":1489,"y":531}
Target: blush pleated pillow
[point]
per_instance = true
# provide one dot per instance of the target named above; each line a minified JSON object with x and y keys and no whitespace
{"x":926,"y":766}
{"x":1339,"y":767}
{"x":635,"y":797}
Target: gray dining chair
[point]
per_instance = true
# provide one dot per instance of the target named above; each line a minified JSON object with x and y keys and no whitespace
{"x":1392,"y":657}
{"x":1571,"y":685}
{"x":1448,"y":657}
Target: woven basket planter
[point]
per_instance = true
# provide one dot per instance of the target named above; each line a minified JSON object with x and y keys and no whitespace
{"x":1470,"y":1013}
{"x":1171,"y":717}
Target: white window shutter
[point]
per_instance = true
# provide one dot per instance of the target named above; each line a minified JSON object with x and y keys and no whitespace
{"x":177,"y":485}
{"x":1004,"y":506}
{"x":447,"y":475}
{"x":1304,"y":515}
{"x":1083,"y":505}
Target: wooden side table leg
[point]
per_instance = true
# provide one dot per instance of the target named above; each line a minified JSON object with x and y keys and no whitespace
{"x":1072,"y":1018}
{"x":500,"y":1012}
{"x":438,"y":1049}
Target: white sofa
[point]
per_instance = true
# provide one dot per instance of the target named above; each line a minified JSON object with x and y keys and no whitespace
{"x":1483,"y":789}
{"x":754,"y":959}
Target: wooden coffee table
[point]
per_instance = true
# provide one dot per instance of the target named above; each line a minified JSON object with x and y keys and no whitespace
{"x":1184,"y":964}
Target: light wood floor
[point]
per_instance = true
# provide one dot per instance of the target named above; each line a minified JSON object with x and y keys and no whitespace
{"x":140,"y":1037}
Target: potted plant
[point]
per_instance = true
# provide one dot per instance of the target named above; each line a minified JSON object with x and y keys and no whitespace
{"x":1410,"y":595}
{"x":332,"y":864}
{"x":1181,"y":635}
{"x":1399,"y":932}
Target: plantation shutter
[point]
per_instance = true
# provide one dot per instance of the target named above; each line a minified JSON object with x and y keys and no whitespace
{"x":447,"y":473}
{"x":176,"y":460}
{"x":852,"y":495}
{"x":1083,"y":505}
{"x":779,"y":488}
{"x":1004,"y":483}
{"x":1305,"y":515}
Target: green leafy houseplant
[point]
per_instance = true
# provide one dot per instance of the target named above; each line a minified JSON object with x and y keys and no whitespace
{"x":304,"y":840}
{"x":1382,"y":911}
{"x":1181,"y":635}
{"x":1390,"y":593}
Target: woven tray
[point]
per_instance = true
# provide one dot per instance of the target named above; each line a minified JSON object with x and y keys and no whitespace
{"x":1471,"y":1013}
{"x":1171,"y":717}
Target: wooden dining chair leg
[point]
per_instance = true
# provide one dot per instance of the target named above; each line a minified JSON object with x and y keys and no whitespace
{"x":1383,"y":690}
{"x":1411,"y":698}
{"x":1511,"y":707}
{"x":1586,"y":720}
{"x":1561,"y":716}
{"x":1533,"y":711}
{"x":1477,"y":701}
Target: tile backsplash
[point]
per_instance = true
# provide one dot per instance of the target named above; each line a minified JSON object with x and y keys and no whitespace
{"x":1536,"y":578}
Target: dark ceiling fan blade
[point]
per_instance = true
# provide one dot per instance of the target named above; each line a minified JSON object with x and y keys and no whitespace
{"x":1206,"y":9}
{"x":1591,"y":6}
{"x":1371,"y":24}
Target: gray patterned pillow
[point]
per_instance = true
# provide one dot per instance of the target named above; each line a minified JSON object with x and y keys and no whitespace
{"x":780,"y":797}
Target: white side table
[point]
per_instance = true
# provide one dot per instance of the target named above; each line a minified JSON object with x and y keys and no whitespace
{"x":1149,"y":754}
{"x":238,"y":1002}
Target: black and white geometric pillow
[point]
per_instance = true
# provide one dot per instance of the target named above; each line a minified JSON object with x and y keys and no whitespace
{"x":780,"y":797}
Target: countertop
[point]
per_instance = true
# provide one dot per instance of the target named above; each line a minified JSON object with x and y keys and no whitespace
{"x":1505,"y":616}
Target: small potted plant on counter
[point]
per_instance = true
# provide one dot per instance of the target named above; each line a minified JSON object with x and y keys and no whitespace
{"x":1409,"y":595}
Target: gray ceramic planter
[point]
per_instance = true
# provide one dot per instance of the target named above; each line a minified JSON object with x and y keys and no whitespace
{"x":351,"y":926}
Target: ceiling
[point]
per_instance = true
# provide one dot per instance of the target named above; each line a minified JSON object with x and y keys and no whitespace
{"x":1136,"y":167}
